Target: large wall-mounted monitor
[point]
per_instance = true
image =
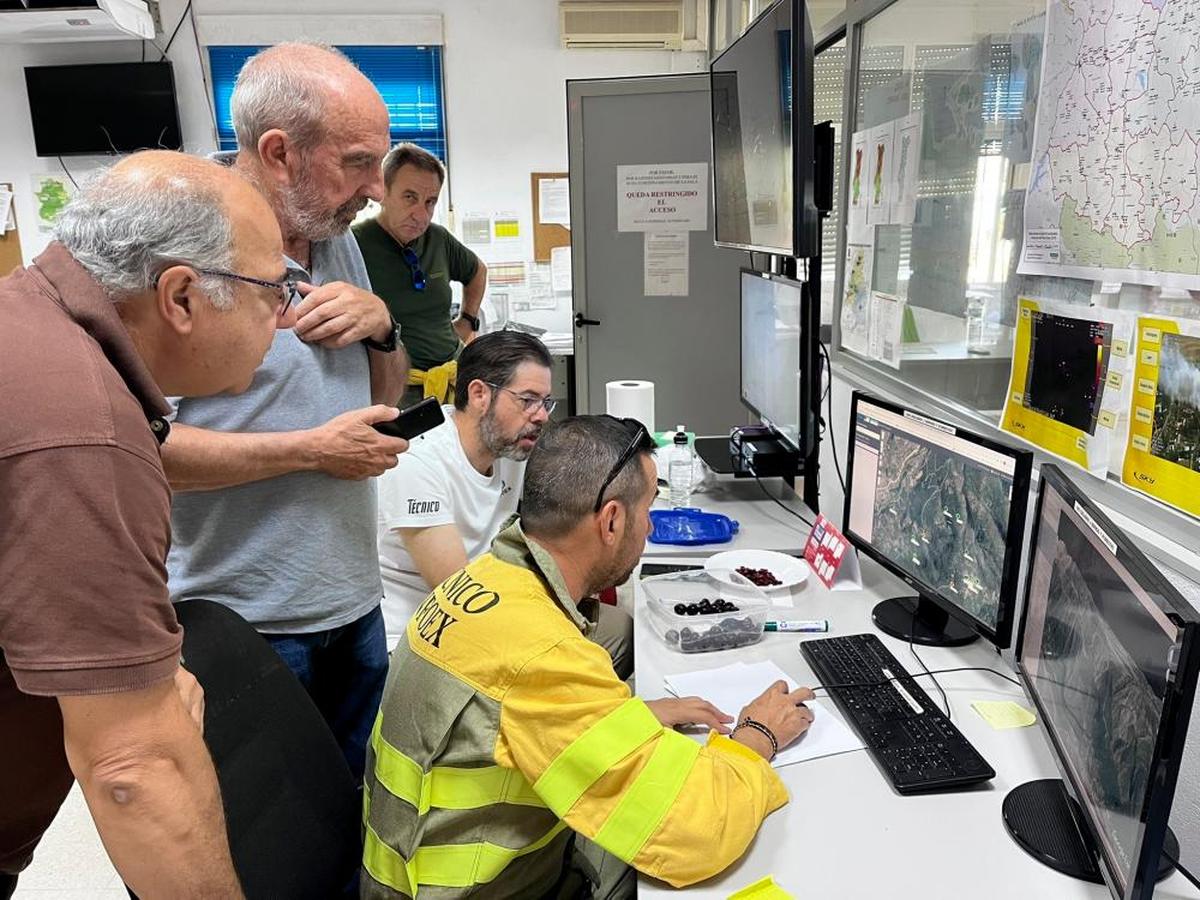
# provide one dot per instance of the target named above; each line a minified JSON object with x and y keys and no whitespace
{"x":1107,"y":652}
{"x":103,"y":108}
{"x":762,"y":129}
{"x":944,"y":509}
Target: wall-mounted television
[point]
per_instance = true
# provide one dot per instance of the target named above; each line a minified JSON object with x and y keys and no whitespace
{"x":103,"y":108}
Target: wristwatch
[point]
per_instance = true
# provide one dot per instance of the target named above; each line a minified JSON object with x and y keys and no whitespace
{"x":471,"y":320}
{"x":388,"y":346}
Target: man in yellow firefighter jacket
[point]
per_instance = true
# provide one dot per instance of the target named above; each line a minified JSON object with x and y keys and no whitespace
{"x":504,"y":731}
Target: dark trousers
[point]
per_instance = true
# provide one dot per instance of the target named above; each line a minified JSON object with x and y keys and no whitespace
{"x":343,"y":670}
{"x":8,"y":884}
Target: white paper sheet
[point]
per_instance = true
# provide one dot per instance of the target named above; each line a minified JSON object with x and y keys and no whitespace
{"x":856,"y":302}
{"x":907,"y":148}
{"x":881,"y":186}
{"x":560,"y":269}
{"x":666,"y":264}
{"x":732,"y":687}
{"x":859,"y":192}
{"x":7,"y":219}
{"x":887,"y":320}
{"x":666,"y":197}
{"x":476,"y":228}
{"x":554,"y":202}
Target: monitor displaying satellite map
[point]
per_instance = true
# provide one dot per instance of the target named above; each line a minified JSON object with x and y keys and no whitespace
{"x":1094,"y":652}
{"x":934,"y":505}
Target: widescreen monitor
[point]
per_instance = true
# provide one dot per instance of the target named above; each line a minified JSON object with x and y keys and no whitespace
{"x":762,"y":130}
{"x":770,"y":352}
{"x":944,"y":509}
{"x":1107,"y":654}
{"x":103,"y":108}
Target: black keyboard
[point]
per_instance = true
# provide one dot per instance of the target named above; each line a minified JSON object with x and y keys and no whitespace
{"x":920,"y":752}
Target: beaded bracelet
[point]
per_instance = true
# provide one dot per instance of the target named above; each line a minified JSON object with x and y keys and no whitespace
{"x":763,"y":730}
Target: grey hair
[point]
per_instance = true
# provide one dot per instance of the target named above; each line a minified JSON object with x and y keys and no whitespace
{"x":279,"y":88}
{"x":565,"y":471}
{"x":124,"y":231}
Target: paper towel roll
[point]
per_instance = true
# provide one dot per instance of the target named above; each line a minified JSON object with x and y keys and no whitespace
{"x":632,"y":399}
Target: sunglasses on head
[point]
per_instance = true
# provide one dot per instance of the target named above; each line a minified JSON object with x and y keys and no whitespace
{"x":640,"y":441}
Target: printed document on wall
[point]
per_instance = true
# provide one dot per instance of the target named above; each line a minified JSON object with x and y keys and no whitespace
{"x":856,"y":301}
{"x":907,"y":147}
{"x":666,"y":264}
{"x":1114,"y":193}
{"x":857,"y":215}
{"x":554,"y":202}
{"x":1163,"y":456}
{"x":665,"y":197}
{"x":881,"y":186}
{"x":1069,"y":380}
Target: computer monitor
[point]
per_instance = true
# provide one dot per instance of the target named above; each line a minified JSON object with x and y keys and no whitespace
{"x":762,"y":129}
{"x":770,"y":352}
{"x":944,"y":509}
{"x":103,"y":108}
{"x":1107,"y":653}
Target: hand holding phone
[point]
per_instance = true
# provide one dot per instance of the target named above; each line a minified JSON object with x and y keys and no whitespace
{"x":414,"y":421}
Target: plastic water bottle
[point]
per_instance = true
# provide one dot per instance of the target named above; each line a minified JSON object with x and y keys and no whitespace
{"x":680,"y":469}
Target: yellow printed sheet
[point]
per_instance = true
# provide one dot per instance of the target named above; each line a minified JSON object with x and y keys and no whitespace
{"x":1163,"y":455}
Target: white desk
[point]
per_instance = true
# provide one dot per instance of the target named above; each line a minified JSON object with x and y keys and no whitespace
{"x":761,"y":524}
{"x":846,"y":833}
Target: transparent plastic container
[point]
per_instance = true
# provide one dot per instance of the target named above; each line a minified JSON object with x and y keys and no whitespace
{"x":704,"y":632}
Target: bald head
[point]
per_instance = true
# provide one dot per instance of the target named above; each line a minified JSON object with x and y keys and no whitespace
{"x":297,"y":88}
{"x":158,"y":207}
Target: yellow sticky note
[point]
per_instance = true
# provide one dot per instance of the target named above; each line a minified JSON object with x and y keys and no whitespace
{"x":1003,"y":713}
{"x":763,"y":889}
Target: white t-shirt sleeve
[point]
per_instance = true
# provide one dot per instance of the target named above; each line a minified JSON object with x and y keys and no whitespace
{"x":414,"y":494}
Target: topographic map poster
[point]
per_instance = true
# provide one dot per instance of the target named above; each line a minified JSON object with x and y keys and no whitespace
{"x":1114,"y":193}
{"x":1163,"y":456}
{"x":1068,"y":380}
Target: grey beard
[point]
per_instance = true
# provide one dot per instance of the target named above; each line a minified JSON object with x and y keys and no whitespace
{"x":497,"y":444}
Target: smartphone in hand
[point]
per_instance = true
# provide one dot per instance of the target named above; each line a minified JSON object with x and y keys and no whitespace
{"x":414,"y":421}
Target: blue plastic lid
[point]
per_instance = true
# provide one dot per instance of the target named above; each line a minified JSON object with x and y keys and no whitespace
{"x":690,"y":526}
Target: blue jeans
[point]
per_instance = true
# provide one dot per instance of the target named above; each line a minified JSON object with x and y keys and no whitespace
{"x":343,"y":670}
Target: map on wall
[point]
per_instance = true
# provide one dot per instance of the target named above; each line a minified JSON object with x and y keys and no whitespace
{"x":1114,"y":191}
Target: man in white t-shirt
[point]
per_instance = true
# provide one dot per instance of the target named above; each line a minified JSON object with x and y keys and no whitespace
{"x":457,"y":485}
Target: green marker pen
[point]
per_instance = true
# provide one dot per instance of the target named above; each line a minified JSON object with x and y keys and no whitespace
{"x":811,"y":625}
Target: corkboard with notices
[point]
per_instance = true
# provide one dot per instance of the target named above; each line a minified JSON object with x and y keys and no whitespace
{"x":551,"y":213}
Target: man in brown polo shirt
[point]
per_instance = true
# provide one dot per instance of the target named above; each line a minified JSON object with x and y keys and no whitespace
{"x":165,"y":278}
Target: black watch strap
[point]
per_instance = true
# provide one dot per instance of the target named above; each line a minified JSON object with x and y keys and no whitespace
{"x":388,"y":346}
{"x":471,"y":320}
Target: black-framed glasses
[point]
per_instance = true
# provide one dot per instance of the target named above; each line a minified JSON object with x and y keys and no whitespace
{"x":414,"y":268}
{"x":528,"y":404}
{"x":641,"y":441}
{"x":286,"y":287}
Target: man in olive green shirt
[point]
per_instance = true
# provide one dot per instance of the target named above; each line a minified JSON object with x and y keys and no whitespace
{"x":412,"y":261}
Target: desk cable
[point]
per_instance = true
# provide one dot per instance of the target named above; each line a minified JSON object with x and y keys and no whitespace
{"x":929,"y":672}
{"x":913,"y":650}
{"x":782,"y":505}
{"x":1182,"y":871}
{"x":828,"y":423}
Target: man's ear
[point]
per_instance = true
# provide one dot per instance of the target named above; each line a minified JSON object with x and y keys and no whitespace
{"x":478,"y":394}
{"x":611,"y":522}
{"x":276,"y":154}
{"x":176,"y":297}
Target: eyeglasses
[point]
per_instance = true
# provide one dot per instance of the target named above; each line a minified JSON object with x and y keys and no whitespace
{"x":414,"y":268}
{"x":286,"y":288}
{"x":528,"y":404}
{"x":641,"y":441}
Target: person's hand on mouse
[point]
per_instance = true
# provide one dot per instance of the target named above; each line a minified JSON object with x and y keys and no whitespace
{"x":780,"y":711}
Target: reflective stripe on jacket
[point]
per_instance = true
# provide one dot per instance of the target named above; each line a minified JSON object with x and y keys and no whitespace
{"x":503,"y":729}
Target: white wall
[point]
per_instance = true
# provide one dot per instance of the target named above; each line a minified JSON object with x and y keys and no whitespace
{"x":505,"y":97}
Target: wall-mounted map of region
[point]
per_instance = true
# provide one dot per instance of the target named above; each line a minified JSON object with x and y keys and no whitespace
{"x":1114,"y":191}
{"x":944,"y":521}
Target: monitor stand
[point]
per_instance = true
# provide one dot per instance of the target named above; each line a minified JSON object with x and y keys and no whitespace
{"x":930,"y":625}
{"x":1046,"y":822}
